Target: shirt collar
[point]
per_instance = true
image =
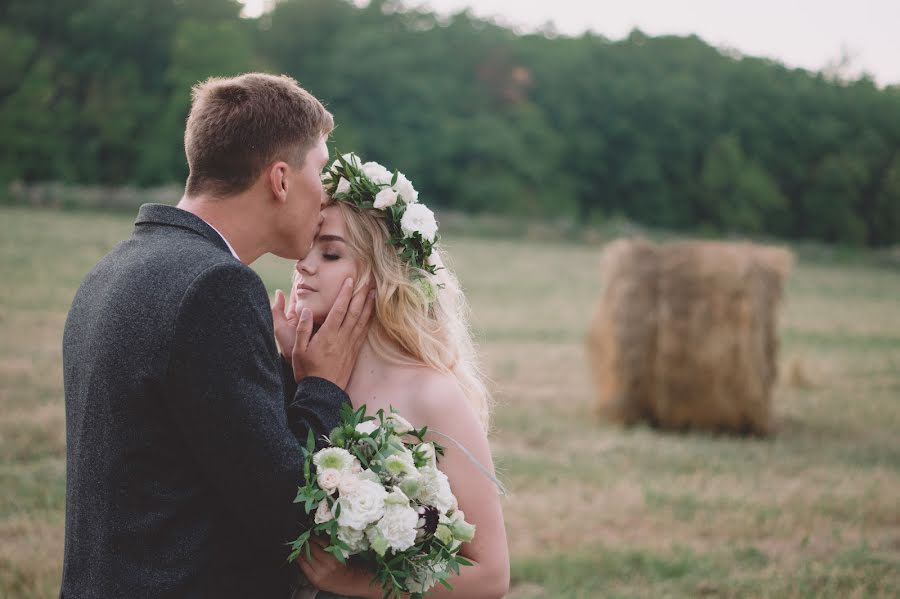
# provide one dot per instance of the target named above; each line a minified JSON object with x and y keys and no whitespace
{"x":231,"y":249}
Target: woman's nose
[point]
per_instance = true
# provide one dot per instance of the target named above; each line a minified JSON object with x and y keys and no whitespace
{"x":305,"y":266}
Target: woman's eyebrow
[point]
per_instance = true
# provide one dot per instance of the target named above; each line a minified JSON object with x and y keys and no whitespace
{"x":332,"y":238}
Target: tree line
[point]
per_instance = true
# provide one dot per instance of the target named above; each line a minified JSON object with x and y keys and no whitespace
{"x":666,"y":131}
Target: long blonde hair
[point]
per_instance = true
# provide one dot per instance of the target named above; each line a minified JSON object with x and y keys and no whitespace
{"x":411,"y":325}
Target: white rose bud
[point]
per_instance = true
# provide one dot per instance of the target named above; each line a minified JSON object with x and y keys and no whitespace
{"x":401,"y":424}
{"x":386,"y":197}
{"x":323,"y":512}
{"x":343,"y":186}
{"x":462,"y":530}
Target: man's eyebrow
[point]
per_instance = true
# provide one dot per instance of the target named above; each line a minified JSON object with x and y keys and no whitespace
{"x":332,"y":238}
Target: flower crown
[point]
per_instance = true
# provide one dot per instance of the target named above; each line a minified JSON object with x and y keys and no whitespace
{"x":370,"y":186}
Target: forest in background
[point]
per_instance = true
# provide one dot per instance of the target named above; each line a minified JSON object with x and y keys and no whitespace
{"x":667,"y":131}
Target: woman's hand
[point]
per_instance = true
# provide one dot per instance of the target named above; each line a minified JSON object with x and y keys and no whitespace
{"x":285,"y":323}
{"x":325,"y":572}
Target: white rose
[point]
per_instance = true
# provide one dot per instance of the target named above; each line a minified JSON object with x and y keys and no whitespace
{"x":323,"y":512}
{"x":329,"y":479}
{"x":333,"y":457}
{"x":406,"y":190}
{"x":397,"y":527}
{"x":343,"y":186}
{"x":386,"y":197}
{"x":377,"y":173}
{"x":363,"y":506}
{"x":367,"y":427}
{"x":435,"y":490}
{"x":419,"y":219}
{"x":348,"y":484}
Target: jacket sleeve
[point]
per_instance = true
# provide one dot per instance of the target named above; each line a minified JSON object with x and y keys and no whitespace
{"x":229,"y":403}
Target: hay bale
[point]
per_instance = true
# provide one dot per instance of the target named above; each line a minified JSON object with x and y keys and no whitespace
{"x":684,"y":335}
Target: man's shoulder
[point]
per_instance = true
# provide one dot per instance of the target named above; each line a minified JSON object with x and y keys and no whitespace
{"x":181,"y":256}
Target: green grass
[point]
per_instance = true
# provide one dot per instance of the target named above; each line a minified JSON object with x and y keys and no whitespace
{"x":594,"y":510}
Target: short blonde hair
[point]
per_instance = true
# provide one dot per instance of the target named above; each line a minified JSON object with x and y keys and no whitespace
{"x":239,"y":125}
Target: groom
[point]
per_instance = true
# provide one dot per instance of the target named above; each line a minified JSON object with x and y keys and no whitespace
{"x":182,"y":419}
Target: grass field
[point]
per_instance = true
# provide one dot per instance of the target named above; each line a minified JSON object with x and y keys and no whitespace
{"x":594,"y":510}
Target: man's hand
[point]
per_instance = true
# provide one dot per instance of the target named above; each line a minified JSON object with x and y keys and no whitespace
{"x":327,"y":574}
{"x":331,"y":353}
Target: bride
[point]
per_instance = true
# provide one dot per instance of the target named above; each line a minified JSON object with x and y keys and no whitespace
{"x":419,"y":356}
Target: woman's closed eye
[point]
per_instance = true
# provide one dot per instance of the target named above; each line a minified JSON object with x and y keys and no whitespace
{"x":330,"y":256}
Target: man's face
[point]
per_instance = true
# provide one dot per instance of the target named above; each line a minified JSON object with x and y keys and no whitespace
{"x":305,"y":199}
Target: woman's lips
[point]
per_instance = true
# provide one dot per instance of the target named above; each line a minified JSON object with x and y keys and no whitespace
{"x":305,"y":289}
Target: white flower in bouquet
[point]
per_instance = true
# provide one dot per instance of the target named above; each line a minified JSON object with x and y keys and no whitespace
{"x":396,"y":529}
{"x":426,"y":450}
{"x":396,"y":497}
{"x":462,"y":531}
{"x":401,"y":464}
{"x":406,"y":190}
{"x":377,"y":173}
{"x":401,"y":424}
{"x":356,"y":539}
{"x":333,"y":457}
{"x":411,"y":485}
{"x":419,"y":219}
{"x":436,"y":490}
{"x":367,"y":427}
{"x":348,"y":484}
{"x":329,"y":479}
{"x":386,"y":197}
{"x":343,"y":186}
{"x":323,"y":512}
{"x":362,"y":506}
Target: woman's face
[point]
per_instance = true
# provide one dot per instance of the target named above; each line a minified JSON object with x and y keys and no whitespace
{"x":325,"y":268}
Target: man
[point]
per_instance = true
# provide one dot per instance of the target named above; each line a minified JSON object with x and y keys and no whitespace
{"x":182,"y":419}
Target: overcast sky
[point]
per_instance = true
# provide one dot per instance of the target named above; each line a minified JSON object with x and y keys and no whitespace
{"x":800,"y":33}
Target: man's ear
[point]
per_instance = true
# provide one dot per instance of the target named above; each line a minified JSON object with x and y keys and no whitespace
{"x":278,"y":180}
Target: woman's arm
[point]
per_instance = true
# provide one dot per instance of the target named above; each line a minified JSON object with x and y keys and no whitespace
{"x":444,"y":408}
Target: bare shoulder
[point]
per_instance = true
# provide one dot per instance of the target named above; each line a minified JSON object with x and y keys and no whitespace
{"x":440,"y":402}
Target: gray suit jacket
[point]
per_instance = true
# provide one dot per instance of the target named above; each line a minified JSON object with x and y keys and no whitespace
{"x":182,"y":423}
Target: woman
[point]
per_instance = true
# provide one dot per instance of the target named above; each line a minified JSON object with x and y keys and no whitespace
{"x":419,"y":356}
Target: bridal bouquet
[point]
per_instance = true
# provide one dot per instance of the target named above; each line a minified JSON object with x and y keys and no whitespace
{"x":378,"y":495}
